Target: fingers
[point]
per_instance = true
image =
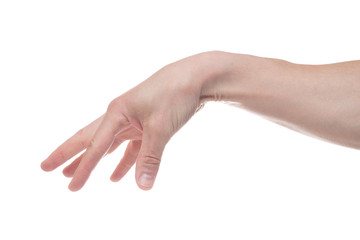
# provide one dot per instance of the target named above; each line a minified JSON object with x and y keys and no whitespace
{"x":149,"y":158}
{"x":99,"y":145}
{"x":127,"y":161}
{"x":71,"y":147}
{"x":70,"y":169}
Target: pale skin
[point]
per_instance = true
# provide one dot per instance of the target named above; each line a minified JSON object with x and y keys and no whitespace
{"x":322,"y":101}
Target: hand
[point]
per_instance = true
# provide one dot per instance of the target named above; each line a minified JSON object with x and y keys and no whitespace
{"x":147,"y":115}
{"x":151,"y":113}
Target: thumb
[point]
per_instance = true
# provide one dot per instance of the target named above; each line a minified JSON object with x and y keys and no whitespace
{"x":149,"y":158}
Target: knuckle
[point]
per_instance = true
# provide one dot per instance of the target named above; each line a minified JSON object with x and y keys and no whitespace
{"x":92,"y":143}
{"x":121,"y":119}
{"x":126,"y":165}
{"x":82,"y":139}
{"x":60,"y":156}
{"x":96,"y":149}
{"x":155,"y":126}
{"x":152,"y":160}
{"x":80,"y":133}
{"x":117,"y":121}
{"x":115,"y":113}
{"x":93,"y":146}
{"x":114,"y":105}
{"x":85,"y":170}
{"x":84,"y":144}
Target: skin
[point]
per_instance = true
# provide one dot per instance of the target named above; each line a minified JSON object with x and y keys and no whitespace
{"x":321,"y":101}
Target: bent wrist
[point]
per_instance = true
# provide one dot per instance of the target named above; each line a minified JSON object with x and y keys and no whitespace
{"x":239,"y":78}
{"x":216,"y":70}
{"x":202,"y":73}
{"x":224,"y":76}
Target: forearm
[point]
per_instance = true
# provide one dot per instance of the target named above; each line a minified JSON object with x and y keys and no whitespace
{"x":319,"y":100}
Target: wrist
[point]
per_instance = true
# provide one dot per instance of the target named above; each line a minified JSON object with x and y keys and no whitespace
{"x":238,"y":77}
{"x":215,"y":72}
{"x":203,"y":74}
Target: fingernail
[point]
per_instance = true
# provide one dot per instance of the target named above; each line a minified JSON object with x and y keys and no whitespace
{"x":146,"y":180}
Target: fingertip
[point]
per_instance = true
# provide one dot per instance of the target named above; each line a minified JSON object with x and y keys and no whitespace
{"x":116,"y":176}
{"x":42,"y":166}
{"x":74,"y":187}
{"x":72,"y":190}
{"x":45,"y":166}
{"x":145,"y":181}
{"x":144,"y":188}
{"x":114,"y":179}
{"x":66,"y":173}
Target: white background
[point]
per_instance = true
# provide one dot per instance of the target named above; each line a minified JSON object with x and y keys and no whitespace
{"x":228,"y":174}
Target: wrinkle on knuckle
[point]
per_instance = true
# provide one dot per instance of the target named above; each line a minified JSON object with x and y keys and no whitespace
{"x":60,"y":156}
{"x":84,"y":144}
{"x":121,"y":119}
{"x":94,"y":147}
{"x":92,"y":143}
{"x":152,"y":160}
{"x":85,"y":170}
{"x":117,"y":121}
{"x":126,"y":165}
